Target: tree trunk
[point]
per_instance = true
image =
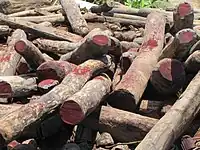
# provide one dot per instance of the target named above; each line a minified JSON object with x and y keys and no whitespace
{"x":125,"y":36}
{"x":192,"y":64}
{"x":134,"y":82}
{"x":128,"y":45}
{"x":46,"y":85}
{"x":176,"y":120}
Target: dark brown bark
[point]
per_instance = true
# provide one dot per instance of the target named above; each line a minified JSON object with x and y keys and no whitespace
{"x":46,"y":85}
{"x":81,"y":104}
{"x":128,"y":45}
{"x":122,"y":125}
{"x":134,"y":82}
{"x":195,"y":47}
{"x":125,"y":36}
{"x":179,"y":46}
{"x":71,"y":84}
{"x":175,"y":121}
{"x":40,"y":30}
{"x":95,"y":18}
{"x":17,"y":86}
{"x":101,"y":8}
{"x":192,"y":64}
{"x":168,"y":77}
{"x":56,"y":70}
{"x":93,"y":47}
{"x":9,"y":58}
{"x":74,"y":16}
{"x":183,"y":17}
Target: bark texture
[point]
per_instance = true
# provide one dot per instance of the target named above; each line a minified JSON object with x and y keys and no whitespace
{"x":192,"y":64}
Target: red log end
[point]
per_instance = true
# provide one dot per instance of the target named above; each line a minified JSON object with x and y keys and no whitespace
{"x":171,"y":69}
{"x":12,"y":144}
{"x":71,"y":112}
{"x":101,"y":40}
{"x":184,"y":9}
{"x":5,"y":90}
{"x":22,"y":68}
{"x":20,"y":46}
{"x":48,"y":83}
{"x":186,"y":35}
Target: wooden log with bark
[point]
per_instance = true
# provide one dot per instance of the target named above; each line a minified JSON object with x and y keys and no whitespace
{"x":122,"y":125}
{"x":46,"y":85}
{"x":9,"y":58}
{"x":74,"y":16}
{"x":134,"y":82}
{"x":81,"y":104}
{"x":125,"y":36}
{"x":192,"y":64}
{"x":168,"y":77}
{"x":128,"y":45}
{"x":56,"y":70}
{"x":42,"y":31}
{"x":30,"y":53}
{"x":4,"y":30}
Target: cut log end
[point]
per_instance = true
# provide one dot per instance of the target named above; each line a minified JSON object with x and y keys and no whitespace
{"x":71,"y":112}
{"x":100,"y":40}
{"x":47,"y":84}
{"x":5,"y":90}
{"x":20,"y":46}
{"x":186,"y":36}
{"x":184,"y":9}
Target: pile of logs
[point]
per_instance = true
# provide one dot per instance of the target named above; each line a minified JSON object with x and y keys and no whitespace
{"x":109,"y":77}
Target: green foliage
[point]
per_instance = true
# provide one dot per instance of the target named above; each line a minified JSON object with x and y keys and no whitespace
{"x":139,"y":3}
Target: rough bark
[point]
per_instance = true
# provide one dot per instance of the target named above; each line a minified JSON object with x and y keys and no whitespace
{"x":101,"y":8}
{"x":179,"y":46}
{"x":74,"y":16}
{"x":30,"y":53}
{"x":176,"y":120}
{"x":168,"y":77}
{"x":46,"y":85}
{"x":134,"y":82}
{"x":122,"y":125}
{"x":95,"y":18}
{"x":195,"y":47}
{"x":56,"y":70}
{"x":192,"y":64}
{"x":183,"y":17}
{"x":117,"y":77}
{"x":128,"y":45}
{"x":9,"y":58}
{"x":92,"y":47}
{"x":17,"y":86}
{"x":4,"y":30}
{"x":40,"y":30}
{"x":125,"y":36}
{"x":138,"y":40}
{"x":81,"y":104}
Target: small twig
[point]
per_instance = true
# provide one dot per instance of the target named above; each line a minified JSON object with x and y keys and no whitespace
{"x":128,"y":143}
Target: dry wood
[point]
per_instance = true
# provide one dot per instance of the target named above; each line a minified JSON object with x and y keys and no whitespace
{"x":56,"y":70}
{"x":138,"y":40}
{"x":30,"y":53}
{"x":9,"y":58}
{"x":168,"y":77}
{"x":46,"y":85}
{"x":117,"y":77}
{"x":122,"y":125}
{"x":95,"y":18}
{"x":106,"y":6}
{"x":128,"y":45}
{"x":134,"y":82}
{"x":17,"y":86}
{"x":40,"y":30}
{"x":183,"y":17}
{"x":179,"y":46}
{"x":46,"y":24}
{"x":192,"y":64}
{"x":125,"y":36}
{"x":74,"y":16}
{"x":4,"y":30}
{"x":176,"y":120}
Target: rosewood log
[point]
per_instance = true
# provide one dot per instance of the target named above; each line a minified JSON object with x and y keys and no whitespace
{"x":56,"y":70}
{"x":128,"y":45}
{"x":117,"y":77}
{"x":183,"y":17}
{"x":134,"y":82}
{"x":46,"y":85}
{"x":125,"y":36}
{"x":17,"y":86}
{"x":30,"y":53}
{"x":74,"y":16}
{"x":122,"y":125}
{"x":9,"y":58}
{"x":192,"y":64}
{"x":93,"y":47}
{"x":169,"y":76}
{"x":176,"y":120}
{"x":4,"y":30}
{"x":81,"y":104}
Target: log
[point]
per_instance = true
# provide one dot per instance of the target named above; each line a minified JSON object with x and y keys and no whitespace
{"x":176,"y":120}
{"x":56,"y":70}
{"x":128,"y":45}
{"x":105,"y":7}
{"x":4,"y":30}
{"x":30,"y":53}
{"x":117,"y":77}
{"x":183,"y":17}
{"x":74,"y":16}
{"x":138,"y":40}
{"x":9,"y":58}
{"x":195,"y":47}
{"x":93,"y":47}
{"x":134,"y":82}
{"x":168,"y":77}
{"x":122,"y":125}
{"x":77,"y":107}
{"x":40,"y":30}
{"x":192,"y":64}
{"x":89,"y":17}
{"x":12,"y":125}
{"x":179,"y":47}
{"x":17,"y":86}
{"x":46,"y":24}
{"x":125,"y":36}
{"x":46,"y":85}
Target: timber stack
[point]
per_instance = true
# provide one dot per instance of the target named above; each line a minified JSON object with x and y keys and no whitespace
{"x":108,"y":78}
